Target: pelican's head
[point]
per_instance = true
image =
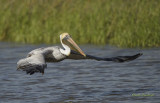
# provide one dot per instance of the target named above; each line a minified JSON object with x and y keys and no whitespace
{"x":66,"y":39}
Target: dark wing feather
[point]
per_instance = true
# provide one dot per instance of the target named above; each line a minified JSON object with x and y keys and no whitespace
{"x":121,"y":59}
{"x":75,"y":55}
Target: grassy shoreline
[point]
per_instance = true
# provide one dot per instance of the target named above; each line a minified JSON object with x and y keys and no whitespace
{"x":123,"y":23}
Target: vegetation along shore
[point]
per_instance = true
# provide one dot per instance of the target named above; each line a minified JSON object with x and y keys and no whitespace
{"x":123,"y":23}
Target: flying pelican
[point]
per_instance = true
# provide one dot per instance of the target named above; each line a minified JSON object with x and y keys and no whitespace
{"x":36,"y":59}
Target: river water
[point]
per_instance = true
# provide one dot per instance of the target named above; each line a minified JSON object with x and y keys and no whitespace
{"x":81,"y":81}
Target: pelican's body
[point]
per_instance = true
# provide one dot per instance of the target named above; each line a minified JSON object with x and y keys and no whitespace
{"x":51,"y":54}
{"x":36,"y":59}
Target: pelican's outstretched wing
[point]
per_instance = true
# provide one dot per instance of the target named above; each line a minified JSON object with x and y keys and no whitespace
{"x":77,"y":56}
{"x":32,"y":64}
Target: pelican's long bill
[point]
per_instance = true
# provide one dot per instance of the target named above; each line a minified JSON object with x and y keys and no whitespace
{"x":69,"y":41}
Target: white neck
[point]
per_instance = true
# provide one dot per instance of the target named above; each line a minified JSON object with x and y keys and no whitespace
{"x":66,"y":51}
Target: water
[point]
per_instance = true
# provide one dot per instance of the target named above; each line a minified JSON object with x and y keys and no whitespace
{"x":82,"y":81}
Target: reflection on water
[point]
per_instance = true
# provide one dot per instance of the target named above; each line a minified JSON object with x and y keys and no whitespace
{"x":81,"y":81}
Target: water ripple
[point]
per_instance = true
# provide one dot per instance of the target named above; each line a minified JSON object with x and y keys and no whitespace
{"x":83,"y":81}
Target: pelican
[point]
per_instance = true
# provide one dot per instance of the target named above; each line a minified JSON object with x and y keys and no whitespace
{"x":36,"y":59}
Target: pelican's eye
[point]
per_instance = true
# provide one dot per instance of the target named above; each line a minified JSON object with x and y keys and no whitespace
{"x":67,"y":37}
{"x":29,"y":55}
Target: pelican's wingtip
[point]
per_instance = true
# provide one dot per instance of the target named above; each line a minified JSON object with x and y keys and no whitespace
{"x":139,"y":54}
